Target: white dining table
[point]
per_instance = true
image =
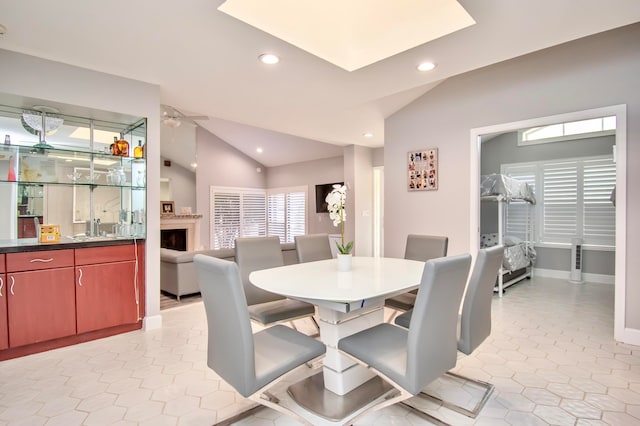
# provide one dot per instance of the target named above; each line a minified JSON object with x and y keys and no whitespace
{"x":347,"y":302}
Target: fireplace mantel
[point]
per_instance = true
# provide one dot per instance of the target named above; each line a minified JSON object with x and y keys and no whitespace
{"x":190,"y":222}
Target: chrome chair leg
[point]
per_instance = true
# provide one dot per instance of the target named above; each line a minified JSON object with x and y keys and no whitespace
{"x":242,"y":415}
{"x":473,"y":413}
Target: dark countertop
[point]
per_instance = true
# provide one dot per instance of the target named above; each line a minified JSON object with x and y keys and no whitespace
{"x":32,"y":244}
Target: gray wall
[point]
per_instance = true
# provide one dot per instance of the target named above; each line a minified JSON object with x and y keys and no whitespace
{"x":504,"y":149}
{"x":596,"y":71}
{"x":310,"y":174}
{"x":183,"y":185}
{"x":220,"y":164}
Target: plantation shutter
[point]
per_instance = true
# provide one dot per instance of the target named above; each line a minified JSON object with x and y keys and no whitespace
{"x":276,"y":216}
{"x":599,"y":214}
{"x":254,"y":215}
{"x":287,"y":216}
{"x":560,"y":201}
{"x":296,"y":214}
{"x":236,"y":213}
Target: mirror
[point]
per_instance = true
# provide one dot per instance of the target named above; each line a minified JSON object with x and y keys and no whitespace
{"x":75,"y":180}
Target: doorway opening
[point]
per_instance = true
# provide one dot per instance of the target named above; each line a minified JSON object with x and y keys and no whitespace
{"x":619,"y":111}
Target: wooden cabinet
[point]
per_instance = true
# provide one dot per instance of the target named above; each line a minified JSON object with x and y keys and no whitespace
{"x":41,"y":296}
{"x":107,"y":287}
{"x":4,"y":329}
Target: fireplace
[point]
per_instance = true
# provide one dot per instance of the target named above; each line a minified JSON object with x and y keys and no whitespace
{"x":175,"y":239}
{"x":188,"y":225}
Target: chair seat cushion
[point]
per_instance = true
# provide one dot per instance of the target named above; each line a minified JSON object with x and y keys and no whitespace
{"x":404,"y":320}
{"x":280,"y":310}
{"x":279,"y":349}
{"x":402,"y":302}
{"x":382,"y":347}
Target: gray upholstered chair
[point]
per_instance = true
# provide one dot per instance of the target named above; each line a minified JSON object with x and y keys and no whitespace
{"x":422,"y":248}
{"x":266,"y":308}
{"x":250,"y":363}
{"x":312,"y":247}
{"x":475,"y":320}
{"x":410,"y":359}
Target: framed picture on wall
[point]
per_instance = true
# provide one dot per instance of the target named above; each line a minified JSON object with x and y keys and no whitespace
{"x":422,"y":170}
{"x":167,"y":208}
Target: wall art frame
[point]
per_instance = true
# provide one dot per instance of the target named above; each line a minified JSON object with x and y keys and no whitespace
{"x":422,"y":170}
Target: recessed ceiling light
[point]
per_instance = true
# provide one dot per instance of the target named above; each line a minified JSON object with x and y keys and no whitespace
{"x":426,"y":66}
{"x":259,"y":150}
{"x":194,"y":165}
{"x":367,"y":135}
{"x":269,"y":58}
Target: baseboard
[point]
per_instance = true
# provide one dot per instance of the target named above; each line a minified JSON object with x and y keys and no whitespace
{"x":630,"y":336}
{"x":564,"y":275}
{"x":152,"y":322}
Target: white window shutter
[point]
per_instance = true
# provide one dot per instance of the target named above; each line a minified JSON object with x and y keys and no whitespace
{"x":296,"y":215}
{"x":599,"y":212}
{"x":254,"y":214}
{"x":225,"y":218}
{"x":520,"y":215}
{"x":560,"y":201}
{"x":276,"y":216}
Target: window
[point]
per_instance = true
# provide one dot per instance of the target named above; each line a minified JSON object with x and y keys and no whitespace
{"x":573,"y":198}
{"x":568,"y":131}
{"x":242,"y":212}
{"x":236,"y":212}
{"x":287,"y":215}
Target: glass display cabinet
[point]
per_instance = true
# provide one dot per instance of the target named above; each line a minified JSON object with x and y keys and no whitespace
{"x":71,"y":171}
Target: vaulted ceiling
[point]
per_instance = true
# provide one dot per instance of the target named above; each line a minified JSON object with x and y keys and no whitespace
{"x":206,"y":62}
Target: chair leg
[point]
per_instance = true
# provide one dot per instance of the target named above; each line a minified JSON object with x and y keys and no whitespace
{"x":419,"y":412}
{"x":488,"y":387}
{"x":242,"y":415}
{"x":315,"y":323}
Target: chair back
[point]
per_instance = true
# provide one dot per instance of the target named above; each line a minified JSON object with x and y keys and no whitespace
{"x":425,"y":247}
{"x":230,"y":351}
{"x":475,"y":321}
{"x":253,"y":254}
{"x":312,"y":247}
{"x":432,"y":337}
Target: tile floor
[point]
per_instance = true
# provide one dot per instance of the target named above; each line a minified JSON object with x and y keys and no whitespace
{"x":551,"y":357}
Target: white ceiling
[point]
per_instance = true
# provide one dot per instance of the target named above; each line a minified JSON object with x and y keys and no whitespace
{"x":205,"y":63}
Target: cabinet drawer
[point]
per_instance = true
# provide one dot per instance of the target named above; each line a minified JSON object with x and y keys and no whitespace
{"x":2,"y":268}
{"x":39,"y":260}
{"x":107,"y":254}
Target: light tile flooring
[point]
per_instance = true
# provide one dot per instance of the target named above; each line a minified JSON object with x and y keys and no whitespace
{"x":551,"y":357}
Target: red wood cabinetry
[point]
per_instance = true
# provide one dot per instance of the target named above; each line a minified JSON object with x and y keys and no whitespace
{"x":107,"y":287}
{"x":4,"y":328}
{"x":40,"y":296}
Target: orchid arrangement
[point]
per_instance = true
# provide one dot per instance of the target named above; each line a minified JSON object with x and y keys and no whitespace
{"x":337,"y":213}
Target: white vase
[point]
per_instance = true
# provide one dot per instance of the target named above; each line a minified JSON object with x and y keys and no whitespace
{"x":344,"y":262}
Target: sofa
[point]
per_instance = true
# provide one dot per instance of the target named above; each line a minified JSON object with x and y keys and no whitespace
{"x":178,"y":274}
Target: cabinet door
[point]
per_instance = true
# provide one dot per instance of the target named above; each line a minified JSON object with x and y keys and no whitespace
{"x":106,"y":295}
{"x":40,"y":305}
{"x":4,"y":329}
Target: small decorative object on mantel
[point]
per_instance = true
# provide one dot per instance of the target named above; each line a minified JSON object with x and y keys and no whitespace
{"x":167,"y":208}
{"x":422,"y":170}
{"x":335,"y":204}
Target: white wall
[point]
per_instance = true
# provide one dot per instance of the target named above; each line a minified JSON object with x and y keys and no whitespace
{"x":597,"y":71}
{"x":33,"y":77}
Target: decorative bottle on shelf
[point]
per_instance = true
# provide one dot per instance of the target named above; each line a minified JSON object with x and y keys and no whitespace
{"x":123,"y":147}
{"x":138,"y":151}
{"x":114,"y":146}
{"x":7,"y":139}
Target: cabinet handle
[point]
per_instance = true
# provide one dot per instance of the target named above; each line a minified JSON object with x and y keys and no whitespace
{"x":1,"y":285}
{"x":42,"y":260}
{"x":80,"y":277}
{"x":13,"y":282}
